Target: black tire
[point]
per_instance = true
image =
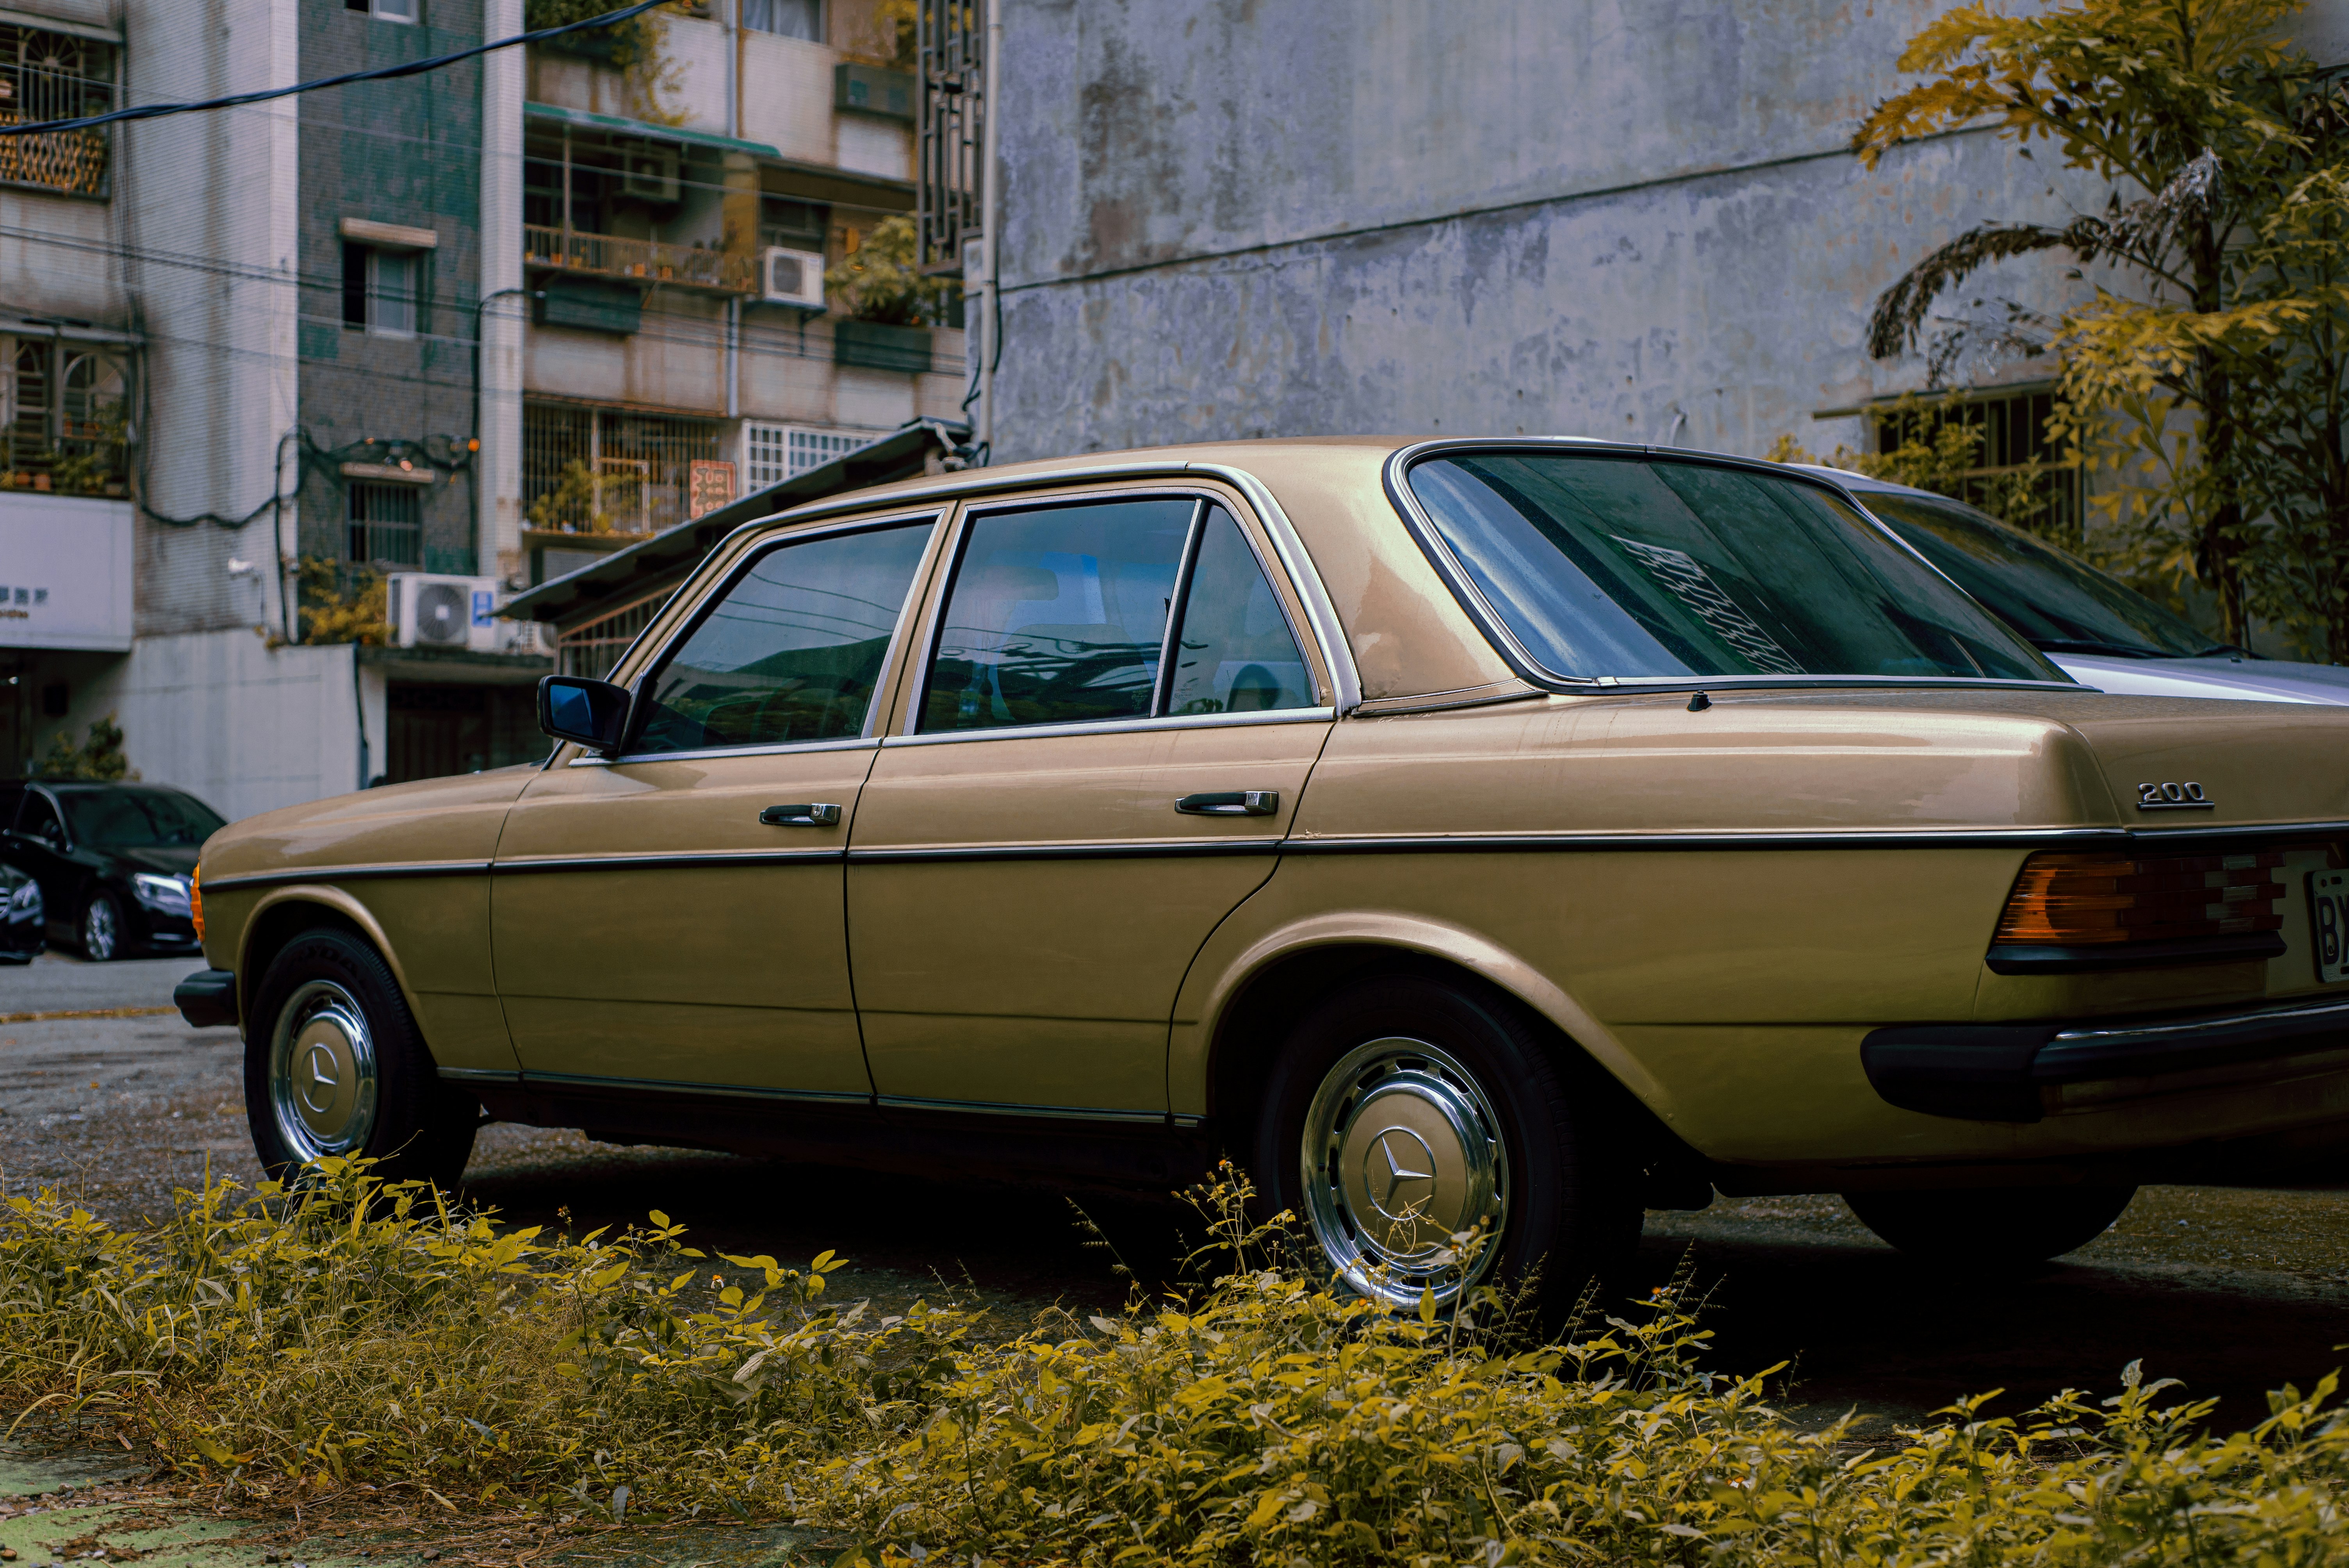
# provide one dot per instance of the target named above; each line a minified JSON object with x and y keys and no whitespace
{"x":1994,"y":1227}
{"x":99,"y":931}
{"x":345,"y":1007}
{"x":1568,"y":1211}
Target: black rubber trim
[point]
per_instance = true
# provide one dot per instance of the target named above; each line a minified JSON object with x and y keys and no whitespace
{"x":1148,"y":849}
{"x":712,"y":861}
{"x":207,"y":998}
{"x":1994,"y":1072}
{"x":347,"y":873}
{"x":2019,"y":958}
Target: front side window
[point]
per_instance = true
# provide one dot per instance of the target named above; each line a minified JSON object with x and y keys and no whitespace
{"x":134,"y":818}
{"x":792,"y":651}
{"x":1641,"y":568}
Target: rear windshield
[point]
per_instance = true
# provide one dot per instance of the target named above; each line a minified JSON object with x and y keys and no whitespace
{"x":2062,"y":604}
{"x":134,"y":818}
{"x":1645,"y":568}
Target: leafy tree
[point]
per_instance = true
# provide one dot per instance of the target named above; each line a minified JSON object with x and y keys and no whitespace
{"x":337,"y":611}
{"x":880,"y":281}
{"x":2199,"y":117}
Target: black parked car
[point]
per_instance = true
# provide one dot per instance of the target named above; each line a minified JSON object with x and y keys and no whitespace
{"x":113,"y":861}
{"x":22,"y":923}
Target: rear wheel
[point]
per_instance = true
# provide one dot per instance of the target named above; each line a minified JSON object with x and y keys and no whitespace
{"x":334,"y":1065}
{"x":1408,"y":1111}
{"x":2010,"y":1227}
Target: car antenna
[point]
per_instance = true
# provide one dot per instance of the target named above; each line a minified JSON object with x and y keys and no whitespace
{"x":1698,"y":703}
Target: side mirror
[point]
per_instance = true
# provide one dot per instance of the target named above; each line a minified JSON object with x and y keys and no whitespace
{"x":592,"y":713}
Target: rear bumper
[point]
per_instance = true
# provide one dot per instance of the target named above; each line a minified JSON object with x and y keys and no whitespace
{"x":2003,"y":1072}
{"x":207,"y":998}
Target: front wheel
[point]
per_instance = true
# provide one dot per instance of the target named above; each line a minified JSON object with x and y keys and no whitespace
{"x":1406,"y":1111}
{"x":334,"y":1065}
{"x":1998,"y":1227}
{"x":101,"y":927}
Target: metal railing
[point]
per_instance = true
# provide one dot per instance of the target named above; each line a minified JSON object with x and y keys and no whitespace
{"x":950,"y":118}
{"x":646,"y":261}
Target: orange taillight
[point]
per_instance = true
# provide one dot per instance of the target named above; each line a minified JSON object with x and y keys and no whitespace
{"x":2066,"y":900}
{"x":196,"y":900}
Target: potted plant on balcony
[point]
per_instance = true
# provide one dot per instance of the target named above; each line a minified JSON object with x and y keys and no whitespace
{"x":891,"y":307}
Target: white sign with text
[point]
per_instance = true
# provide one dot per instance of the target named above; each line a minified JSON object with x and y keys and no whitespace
{"x":65,"y":572}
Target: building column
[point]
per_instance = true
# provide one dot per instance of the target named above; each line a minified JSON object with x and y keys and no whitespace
{"x":498,"y":526}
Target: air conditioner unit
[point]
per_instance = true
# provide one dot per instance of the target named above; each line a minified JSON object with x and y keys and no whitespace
{"x":791,"y":277}
{"x":429,"y":611}
{"x":648,"y":173}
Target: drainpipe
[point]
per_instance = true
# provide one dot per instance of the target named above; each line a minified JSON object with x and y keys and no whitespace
{"x":990,"y":207}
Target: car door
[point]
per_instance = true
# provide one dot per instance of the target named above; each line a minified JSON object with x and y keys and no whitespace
{"x":671,"y":918}
{"x":37,"y":846}
{"x":1075,"y":800}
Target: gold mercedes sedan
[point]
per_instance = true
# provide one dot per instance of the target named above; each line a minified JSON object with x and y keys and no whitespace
{"x":1491,"y":836}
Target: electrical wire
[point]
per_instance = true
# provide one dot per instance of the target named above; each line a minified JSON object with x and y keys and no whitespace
{"x":380,"y":74}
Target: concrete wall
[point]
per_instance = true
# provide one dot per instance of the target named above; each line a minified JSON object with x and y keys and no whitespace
{"x":1633,"y":219}
{"x":239,"y":725}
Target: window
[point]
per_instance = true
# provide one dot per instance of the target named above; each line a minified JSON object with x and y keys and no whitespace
{"x":40,"y":819}
{"x":792,"y":651}
{"x":65,"y":427}
{"x":1236,"y":653}
{"x":1659,"y":569}
{"x":384,"y":10}
{"x":1058,"y":615}
{"x":54,"y":75}
{"x":586,"y":469}
{"x":2011,"y":436}
{"x":387,"y":524}
{"x":380,"y":289}
{"x":774,"y":453}
{"x":792,"y":18}
{"x":799,"y":225}
{"x":133,"y":819}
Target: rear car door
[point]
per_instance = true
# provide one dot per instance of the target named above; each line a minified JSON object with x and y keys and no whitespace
{"x":36,"y":845}
{"x":671,"y":918}
{"x":1076,"y":800}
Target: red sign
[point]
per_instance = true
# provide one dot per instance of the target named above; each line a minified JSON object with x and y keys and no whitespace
{"x":708,"y":486}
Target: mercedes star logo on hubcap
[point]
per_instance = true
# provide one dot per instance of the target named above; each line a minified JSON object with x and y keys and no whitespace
{"x":1402,"y":1167}
{"x":318,"y":1093}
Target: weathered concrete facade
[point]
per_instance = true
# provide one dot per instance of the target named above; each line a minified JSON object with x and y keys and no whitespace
{"x":1620,"y":218}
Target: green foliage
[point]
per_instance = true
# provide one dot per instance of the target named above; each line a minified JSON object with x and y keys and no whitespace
{"x":633,"y":46}
{"x":2207,"y":383}
{"x":574,"y":504}
{"x":296,"y":1342}
{"x":1939,"y":453}
{"x":880,"y":282}
{"x":343,"y":606}
{"x":99,"y":756}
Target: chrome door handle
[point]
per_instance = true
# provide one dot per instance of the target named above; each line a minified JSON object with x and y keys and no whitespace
{"x":1231,"y":803}
{"x":820,"y":814}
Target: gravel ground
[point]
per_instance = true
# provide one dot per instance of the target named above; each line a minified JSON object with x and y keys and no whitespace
{"x":2233,"y":1290}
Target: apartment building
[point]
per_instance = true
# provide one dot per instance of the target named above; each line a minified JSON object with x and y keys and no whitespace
{"x":453,"y":333}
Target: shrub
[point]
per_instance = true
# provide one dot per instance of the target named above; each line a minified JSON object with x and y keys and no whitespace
{"x":287,"y":1341}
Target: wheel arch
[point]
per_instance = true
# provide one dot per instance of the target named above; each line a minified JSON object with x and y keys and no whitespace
{"x":1251,"y":1001}
{"x":286,"y":912}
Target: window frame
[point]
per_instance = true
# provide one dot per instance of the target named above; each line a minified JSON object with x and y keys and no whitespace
{"x":681,"y":631}
{"x":1525,"y":667}
{"x":914,"y":692}
{"x":374,"y":12}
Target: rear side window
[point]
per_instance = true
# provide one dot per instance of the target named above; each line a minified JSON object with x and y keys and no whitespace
{"x":792,"y":650}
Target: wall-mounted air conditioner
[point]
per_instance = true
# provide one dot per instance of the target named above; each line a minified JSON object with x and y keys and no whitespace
{"x":428,"y":610}
{"x":648,"y":173}
{"x":791,"y":277}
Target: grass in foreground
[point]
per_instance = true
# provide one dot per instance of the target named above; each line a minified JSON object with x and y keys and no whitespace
{"x":279,"y":1345}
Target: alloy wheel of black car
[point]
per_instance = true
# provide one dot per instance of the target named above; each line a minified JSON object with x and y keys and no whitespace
{"x":101,"y":927}
{"x":334,"y":1065}
{"x":1998,"y":1227}
{"x":1406,"y":1110}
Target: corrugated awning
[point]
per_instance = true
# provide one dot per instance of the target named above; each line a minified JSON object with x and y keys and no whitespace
{"x":643,"y":131}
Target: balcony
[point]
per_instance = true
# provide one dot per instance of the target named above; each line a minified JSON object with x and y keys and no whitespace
{"x":637,"y":261}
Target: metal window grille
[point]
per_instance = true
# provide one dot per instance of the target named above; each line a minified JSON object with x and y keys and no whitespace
{"x":2014,"y":437}
{"x":586,"y":469}
{"x":950,"y":130}
{"x":386,"y":525}
{"x":774,"y":453}
{"x":54,"y":75}
{"x":64,"y":429}
{"x":593,"y":647}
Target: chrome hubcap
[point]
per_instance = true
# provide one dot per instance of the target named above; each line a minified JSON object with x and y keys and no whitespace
{"x":1402,"y":1151}
{"x":98,"y":929}
{"x":322,"y":1075}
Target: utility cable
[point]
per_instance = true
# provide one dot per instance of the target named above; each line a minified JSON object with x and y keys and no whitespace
{"x":380,"y":74}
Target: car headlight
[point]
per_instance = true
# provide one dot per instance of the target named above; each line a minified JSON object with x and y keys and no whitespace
{"x":26,"y":902}
{"x":165,"y":895}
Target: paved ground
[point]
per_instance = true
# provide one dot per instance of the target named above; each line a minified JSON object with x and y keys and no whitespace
{"x":2236,"y":1291}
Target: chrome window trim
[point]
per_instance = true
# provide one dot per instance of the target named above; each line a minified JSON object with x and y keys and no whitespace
{"x":1115,"y":726}
{"x":1327,"y":632}
{"x":777,"y":749}
{"x":1395,"y":476}
{"x":1071,"y":850}
{"x":935,"y":514}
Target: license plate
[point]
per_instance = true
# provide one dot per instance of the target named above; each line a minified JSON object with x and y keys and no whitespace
{"x":2328,"y":907}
